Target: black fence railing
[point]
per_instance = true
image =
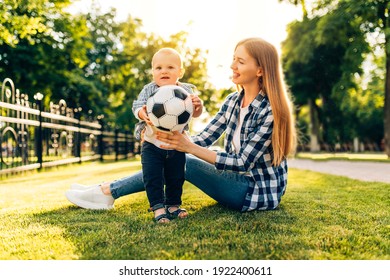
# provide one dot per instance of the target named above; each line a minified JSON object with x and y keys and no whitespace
{"x":33,"y":138}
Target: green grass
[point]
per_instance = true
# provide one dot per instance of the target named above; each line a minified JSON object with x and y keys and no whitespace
{"x":321,"y":217}
{"x":377,"y":157}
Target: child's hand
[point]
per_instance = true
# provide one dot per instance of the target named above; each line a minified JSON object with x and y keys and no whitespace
{"x":198,"y":106}
{"x":143,"y":115}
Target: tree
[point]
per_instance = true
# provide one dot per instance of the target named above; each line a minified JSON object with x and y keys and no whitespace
{"x":101,"y":52}
{"x":130,"y":69}
{"x":366,"y":105}
{"x":374,"y":17}
{"x":46,"y":50}
{"x":371,"y":17}
{"x":302,"y":76}
{"x":25,"y":19}
{"x":90,"y":60}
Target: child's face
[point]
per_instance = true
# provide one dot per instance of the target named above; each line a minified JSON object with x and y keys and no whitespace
{"x":166,"y":69}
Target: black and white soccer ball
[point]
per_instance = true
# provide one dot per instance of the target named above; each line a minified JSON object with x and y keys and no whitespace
{"x":170,"y":108}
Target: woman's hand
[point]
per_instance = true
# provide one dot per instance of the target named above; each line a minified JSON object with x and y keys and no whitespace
{"x":176,"y":140}
{"x":182,"y":143}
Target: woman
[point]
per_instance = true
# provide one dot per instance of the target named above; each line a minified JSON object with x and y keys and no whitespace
{"x":257,"y":120}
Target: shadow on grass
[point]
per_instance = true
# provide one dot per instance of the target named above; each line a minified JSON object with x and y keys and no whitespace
{"x":320,"y":217}
{"x":211,"y":232}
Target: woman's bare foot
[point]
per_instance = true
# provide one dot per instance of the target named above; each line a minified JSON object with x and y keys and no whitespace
{"x":105,"y":187}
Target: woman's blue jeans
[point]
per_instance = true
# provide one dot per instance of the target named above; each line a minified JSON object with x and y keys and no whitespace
{"x":227,"y":188}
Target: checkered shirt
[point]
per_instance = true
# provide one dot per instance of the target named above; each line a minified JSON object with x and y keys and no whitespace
{"x":255,"y":156}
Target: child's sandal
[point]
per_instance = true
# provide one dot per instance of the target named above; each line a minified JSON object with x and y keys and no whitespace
{"x":161,"y":219}
{"x":180,"y":213}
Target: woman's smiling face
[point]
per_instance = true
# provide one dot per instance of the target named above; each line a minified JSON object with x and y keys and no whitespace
{"x":245,"y":68}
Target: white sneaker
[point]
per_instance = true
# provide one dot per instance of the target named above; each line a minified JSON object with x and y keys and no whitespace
{"x":90,"y":198}
{"x":76,"y":186}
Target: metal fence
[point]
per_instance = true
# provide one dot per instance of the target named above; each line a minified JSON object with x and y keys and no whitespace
{"x":32,"y":138}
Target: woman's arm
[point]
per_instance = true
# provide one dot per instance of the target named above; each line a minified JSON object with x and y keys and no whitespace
{"x":181,"y":142}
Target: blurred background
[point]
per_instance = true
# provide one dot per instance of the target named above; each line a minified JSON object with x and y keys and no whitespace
{"x":96,"y":56}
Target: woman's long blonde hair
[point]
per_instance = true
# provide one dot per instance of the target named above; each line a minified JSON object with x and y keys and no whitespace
{"x":272,"y":84}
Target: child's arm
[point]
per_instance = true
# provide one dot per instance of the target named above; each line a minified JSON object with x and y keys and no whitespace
{"x":143,"y":115}
{"x":139,"y":103}
{"x":198,"y":105}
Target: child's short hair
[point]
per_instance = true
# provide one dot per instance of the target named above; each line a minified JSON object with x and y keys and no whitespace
{"x":170,"y":51}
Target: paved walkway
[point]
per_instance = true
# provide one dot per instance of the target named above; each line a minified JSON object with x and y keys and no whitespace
{"x":360,"y":170}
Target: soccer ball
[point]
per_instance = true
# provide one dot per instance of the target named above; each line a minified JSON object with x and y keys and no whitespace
{"x":170,"y":108}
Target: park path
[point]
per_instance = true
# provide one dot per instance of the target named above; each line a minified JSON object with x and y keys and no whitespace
{"x":360,"y":170}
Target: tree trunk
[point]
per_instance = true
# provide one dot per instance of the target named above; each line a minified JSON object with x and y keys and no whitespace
{"x":386,"y":121}
{"x":387,"y":102}
{"x":314,"y":127}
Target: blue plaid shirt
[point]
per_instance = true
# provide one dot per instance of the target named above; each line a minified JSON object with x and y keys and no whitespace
{"x":255,"y":156}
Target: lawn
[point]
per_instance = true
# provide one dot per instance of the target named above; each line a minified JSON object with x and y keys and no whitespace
{"x":376,"y":157}
{"x":320,"y":217}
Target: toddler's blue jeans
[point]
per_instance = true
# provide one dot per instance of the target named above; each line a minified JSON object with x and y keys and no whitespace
{"x":162,"y":167}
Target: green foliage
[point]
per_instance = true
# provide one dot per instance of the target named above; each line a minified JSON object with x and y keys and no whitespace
{"x":27,"y":19}
{"x":320,"y":217}
{"x":92,"y":61}
{"x":323,"y":58}
{"x":367,"y":105}
{"x":300,"y":63}
{"x":50,"y":60}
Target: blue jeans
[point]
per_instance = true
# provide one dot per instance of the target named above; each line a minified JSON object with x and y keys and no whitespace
{"x":227,"y":188}
{"x":162,"y":167}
